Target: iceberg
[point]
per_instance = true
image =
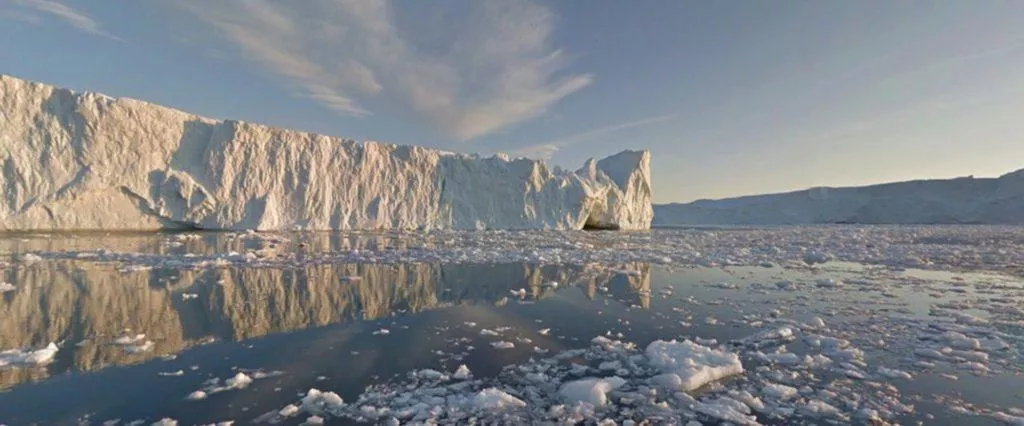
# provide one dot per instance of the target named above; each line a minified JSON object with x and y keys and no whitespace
{"x":85,"y":161}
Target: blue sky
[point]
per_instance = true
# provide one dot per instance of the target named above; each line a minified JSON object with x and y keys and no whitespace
{"x":731,"y":97}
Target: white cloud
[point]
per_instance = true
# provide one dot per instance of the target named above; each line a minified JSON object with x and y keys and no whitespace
{"x":32,"y":9}
{"x":467,"y":71}
{"x":546,"y":149}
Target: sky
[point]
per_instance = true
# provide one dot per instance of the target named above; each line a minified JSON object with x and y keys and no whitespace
{"x":731,"y":97}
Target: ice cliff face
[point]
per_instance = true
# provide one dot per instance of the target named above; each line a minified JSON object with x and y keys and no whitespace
{"x":941,"y":201}
{"x":78,"y":161}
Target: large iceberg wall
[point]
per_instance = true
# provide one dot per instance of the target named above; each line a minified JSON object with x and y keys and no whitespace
{"x":85,"y":161}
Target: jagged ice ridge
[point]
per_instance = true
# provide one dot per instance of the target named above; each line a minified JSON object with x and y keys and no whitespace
{"x":85,"y":161}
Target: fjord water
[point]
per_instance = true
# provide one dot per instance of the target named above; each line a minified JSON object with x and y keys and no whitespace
{"x":141,"y":324}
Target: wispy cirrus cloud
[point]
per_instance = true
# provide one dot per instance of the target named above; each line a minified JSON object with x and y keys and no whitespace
{"x":34,"y":10}
{"x":476,"y":68}
{"x":546,"y":149}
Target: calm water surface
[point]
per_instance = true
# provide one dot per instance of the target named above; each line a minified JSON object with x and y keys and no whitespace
{"x":342,"y":327}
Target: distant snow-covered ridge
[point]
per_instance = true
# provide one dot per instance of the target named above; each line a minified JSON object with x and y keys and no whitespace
{"x":85,"y":161}
{"x":965,"y":200}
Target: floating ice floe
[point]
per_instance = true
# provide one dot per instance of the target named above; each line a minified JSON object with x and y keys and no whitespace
{"x":239,"y":381}
{"x":592,"y":391}
{"x":6,"y":287}
{"x":691,"y":364}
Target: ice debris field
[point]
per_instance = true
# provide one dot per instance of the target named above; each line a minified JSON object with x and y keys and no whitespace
{"x":790,"y":325}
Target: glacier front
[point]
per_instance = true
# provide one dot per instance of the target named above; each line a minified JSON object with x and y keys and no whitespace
{"x":85,"y":161}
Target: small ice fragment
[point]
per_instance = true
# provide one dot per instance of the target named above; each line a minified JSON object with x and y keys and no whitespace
{"x":818,"y":408}
{"x":929,"y":353}
{"x":817,"y":322}
{"x":462,"y":373}
{"x":6,"y":287}
{"x":239,"y":381}
{"x":768,"y":337}
{"x":288,"y":410}
{"x":165,"y":422}
{"x":495,"y":399}
{"x":382,"y":332}
{"x":172,"y":373}
{"x":314,"y":421}
{"x":777,"y":391}
{"x":1008,"y":419}
{"x":502,"y":344}
{"x":544,"y":331}
{"x":315,"y":400}
{"x":592,"y":391}
{"x":430,"y":374}
{"x":893,"y":373}
{"x":188,"y":296}
{"x":487,"y":332}
{"x":197,"y":395}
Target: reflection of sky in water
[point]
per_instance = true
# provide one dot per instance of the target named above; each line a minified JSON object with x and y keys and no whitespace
{"x":316,"y":323}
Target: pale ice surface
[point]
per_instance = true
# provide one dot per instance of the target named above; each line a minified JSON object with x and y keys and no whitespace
{"x":83,"y":161}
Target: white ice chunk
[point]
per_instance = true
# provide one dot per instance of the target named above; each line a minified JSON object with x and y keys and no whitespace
{"x":495,"y":399}
{"x":592,"y":391}
{"x":462,"y":373}
{"x":695,"y":365}
{"x":894,"y":373}
{"x":239,"y":381}
{"x":778,"y":391}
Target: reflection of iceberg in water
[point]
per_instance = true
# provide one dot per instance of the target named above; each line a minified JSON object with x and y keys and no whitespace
{"x":72,"y":302}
